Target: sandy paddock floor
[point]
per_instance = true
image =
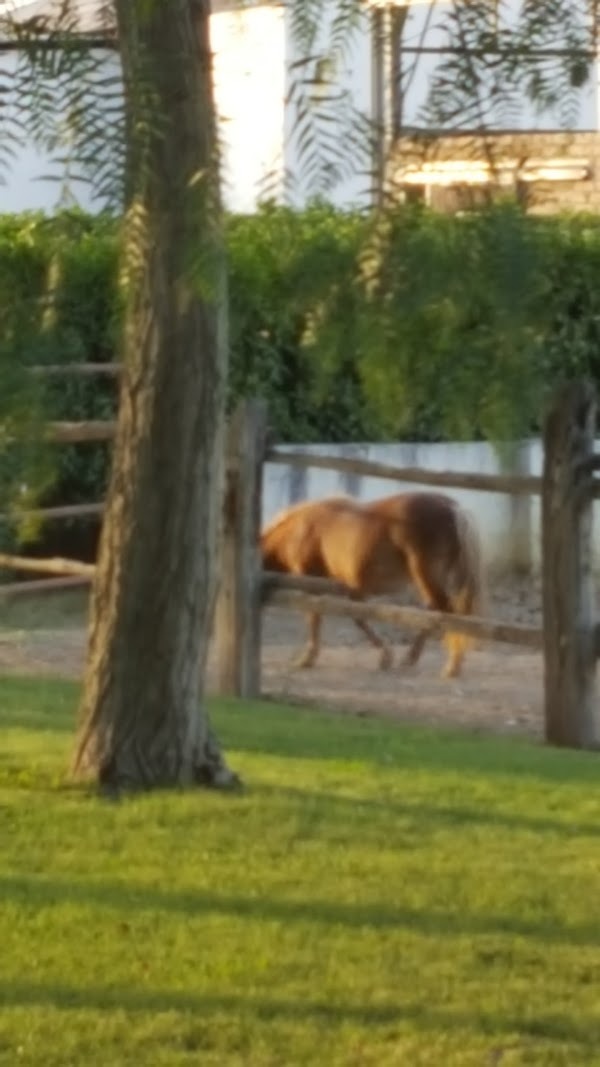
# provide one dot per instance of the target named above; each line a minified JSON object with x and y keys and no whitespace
{"x":500,"y":690}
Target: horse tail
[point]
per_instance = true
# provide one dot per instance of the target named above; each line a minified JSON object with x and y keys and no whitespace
{"x":469,"y":596}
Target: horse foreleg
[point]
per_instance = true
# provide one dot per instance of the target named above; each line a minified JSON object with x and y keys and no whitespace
{"x":308,"y":657}
{"x":456,"y":655}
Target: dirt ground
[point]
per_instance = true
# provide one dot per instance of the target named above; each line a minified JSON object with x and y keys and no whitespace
{"x":500,"y":690}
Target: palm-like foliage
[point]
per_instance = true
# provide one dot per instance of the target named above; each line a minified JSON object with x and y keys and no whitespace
{"x":501,"y":54}
{"x":63,"y":92}
{"x":68,"y":97}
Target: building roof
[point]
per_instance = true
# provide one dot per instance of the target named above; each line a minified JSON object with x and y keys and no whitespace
{"x":95,"y":16}
{"x":90,"y":16}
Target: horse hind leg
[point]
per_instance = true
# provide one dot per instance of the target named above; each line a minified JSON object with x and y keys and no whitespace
{"x":457,"y":644}
{"x":456,"y":654}
{"x":435,"y":598}
{"x":415,"y":649}
{"x":385,"y":652}
{"x":470,"y":595}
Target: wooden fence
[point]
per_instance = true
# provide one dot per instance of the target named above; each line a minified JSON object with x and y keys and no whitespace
{"x":569,"y":637}
{"x":68,"y":574}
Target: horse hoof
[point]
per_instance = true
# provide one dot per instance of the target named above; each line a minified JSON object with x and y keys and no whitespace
{"x":303,"y":663}
{"x":409,"y":663}
{"x":450,"y":672}
{"x":386,"y":661}
{"x":406,"y":667}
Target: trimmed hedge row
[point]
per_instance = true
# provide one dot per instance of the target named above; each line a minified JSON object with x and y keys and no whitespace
{"x":420,"y":325}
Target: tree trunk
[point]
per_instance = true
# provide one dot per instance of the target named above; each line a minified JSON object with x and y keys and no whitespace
{"x":142,"y":718}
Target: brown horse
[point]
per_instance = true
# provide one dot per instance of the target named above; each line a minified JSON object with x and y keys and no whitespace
{"x":423,"y":539}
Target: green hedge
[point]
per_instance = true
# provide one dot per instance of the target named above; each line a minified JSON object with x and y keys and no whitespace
{"x":353,"y":328}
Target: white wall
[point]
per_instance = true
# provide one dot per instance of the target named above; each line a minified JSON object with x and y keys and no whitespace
{"x":249,"y":78}
{"x":249,"y":83}
{"x":423,"y":29}
{"x":253,"y":56}
{"x":35,"y":181}
{"x":510,"y":527}
{"x":255,"y":52}
{"x":351,"y":76}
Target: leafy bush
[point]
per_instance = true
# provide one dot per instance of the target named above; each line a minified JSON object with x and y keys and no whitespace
{"x":280,"y":264}
{"x":352,"y":326}
{"x":59,"y":305}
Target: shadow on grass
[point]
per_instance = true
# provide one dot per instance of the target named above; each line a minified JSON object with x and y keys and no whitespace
{"x":581,"y":1030}
{"x":268,"y":729}
{"x":422,"y":817}
{"x":300,"y":733}
{"x":131,"y":898}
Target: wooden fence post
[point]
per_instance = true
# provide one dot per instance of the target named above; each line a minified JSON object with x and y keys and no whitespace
{"x":571,"y":713}
{"x":237,"y":624}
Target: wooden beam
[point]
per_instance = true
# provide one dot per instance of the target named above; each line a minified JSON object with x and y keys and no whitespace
{"x":237,"y":622}
{"x":272,"y":580}
{"x":41,"y":587}
{"x":571,"y":712}
{"x":64,"y":511}
{"x":78,"y":370}
{"x":401,"y":615}
{"x":72,"y":433}
{"x":28,"y":564}
{"x":490,"y":483}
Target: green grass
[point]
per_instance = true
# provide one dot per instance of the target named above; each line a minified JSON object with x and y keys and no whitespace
{"x":377,"y":896}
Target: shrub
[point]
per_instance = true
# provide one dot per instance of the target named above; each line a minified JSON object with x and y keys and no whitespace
{"x":352,"y":327}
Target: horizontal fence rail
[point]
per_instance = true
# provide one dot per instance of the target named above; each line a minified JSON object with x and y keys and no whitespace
{"x":491,"y":483}
{"x":42,"y":586}
{"x":31,"y":565}
{"x":436,"y":622}
{"x":75,"y":433}
{"x":77,"y":370}
{"x":63,"y":511}
{"x":303,"y":593}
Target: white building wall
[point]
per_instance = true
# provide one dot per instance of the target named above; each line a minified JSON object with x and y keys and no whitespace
{"x":249,"y":80}
{"x":351,"y":76}
{"x":253,"y":54}
{"x":256,"y":59}
{"x":424,"y":29}
{"x":510,"y":527}
{"x":249,"y":84}
{"x":255,"y":63}
{"x":35,"y":180}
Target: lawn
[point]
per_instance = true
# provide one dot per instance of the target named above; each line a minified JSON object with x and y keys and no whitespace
{"x":376,"y":896}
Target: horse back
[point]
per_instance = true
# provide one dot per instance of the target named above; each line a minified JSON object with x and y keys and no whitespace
{"x":293,"y":541}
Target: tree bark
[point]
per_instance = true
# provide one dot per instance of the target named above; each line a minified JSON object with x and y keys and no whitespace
{"x":237,"y":632}
{"x":142,"y":719}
